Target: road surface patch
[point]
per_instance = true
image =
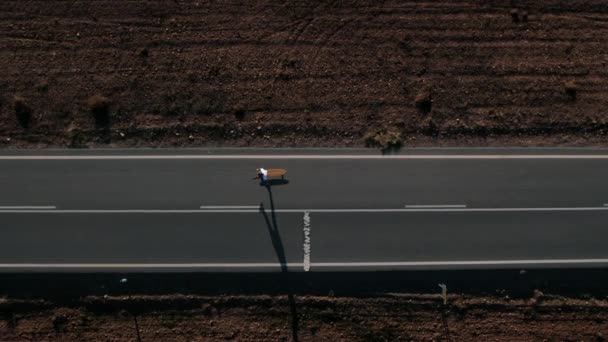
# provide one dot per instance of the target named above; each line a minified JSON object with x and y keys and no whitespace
{"x":307,"y":245}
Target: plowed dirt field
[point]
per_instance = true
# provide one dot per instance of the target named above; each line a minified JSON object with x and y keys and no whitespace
{"x":303,"y":73}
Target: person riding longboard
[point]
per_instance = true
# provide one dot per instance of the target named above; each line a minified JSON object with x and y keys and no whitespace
{"x":265,"y":175}
{"x":262,"y":174}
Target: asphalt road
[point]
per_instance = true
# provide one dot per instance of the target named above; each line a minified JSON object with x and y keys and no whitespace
{"x":201,"y":211}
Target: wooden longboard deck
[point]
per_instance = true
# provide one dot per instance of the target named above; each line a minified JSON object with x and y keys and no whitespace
{"x":276,"y":172}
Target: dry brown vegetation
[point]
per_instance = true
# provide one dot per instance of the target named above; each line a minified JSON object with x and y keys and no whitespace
{"x":384,"y":139}
{"x":268,"y":318}
{"x":308,"y":73}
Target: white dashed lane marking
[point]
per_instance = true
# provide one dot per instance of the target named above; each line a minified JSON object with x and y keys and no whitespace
{"x":229,"y":206}
{"x":27,"y":207}
{"x":430,"y":206}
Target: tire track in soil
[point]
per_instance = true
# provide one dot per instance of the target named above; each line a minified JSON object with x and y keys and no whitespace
{"x":322,"y":40}
{"x":301,"y":27}
{"x":294,"y":37}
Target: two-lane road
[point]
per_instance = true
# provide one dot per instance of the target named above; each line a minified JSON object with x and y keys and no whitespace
{"x":200,"y":210}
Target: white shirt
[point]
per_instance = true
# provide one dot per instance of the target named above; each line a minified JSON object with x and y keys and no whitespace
{"x":264,"y":173}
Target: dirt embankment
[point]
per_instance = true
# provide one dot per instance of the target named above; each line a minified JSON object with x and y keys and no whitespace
{"x":303,"y":73}
{"x":265,"y":318}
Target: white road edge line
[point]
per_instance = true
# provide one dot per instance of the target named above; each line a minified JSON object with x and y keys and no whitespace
{"x":325,"y":156}
{"x":198,"y":211}
{"x":315,"y":264}
{"x":150,"y":265}
{"x":430,"y":206}
{"x":26,"y":207}
{"x":463,"y":263}
{"x":307,"y":245}
{"x":229,"y":206}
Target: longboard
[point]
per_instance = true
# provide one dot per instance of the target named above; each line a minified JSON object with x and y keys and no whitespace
{"x":276,"y":172}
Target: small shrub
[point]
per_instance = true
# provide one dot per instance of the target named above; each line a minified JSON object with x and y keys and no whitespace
{"x":42,"y":87}
{"x":143,"y":53}
{"x":514,"y":15}
{"x":314,"y":107}
{"x":424,"y":101}
{"x":23,"y":111}
{"x":538,"y":295}
{"x":283,"y":76}
{"x":384,"y":139}
{"x":192,"y":76}
{"x":100,"y":109}
{"x":530,"y":313}
{"x":60,"y":322}
{"x":77,"y":138}
{"x":524,"y":16}
{"x":12,"y":320}
{"x":60,"y":110}
{"x":405,"y":45}
{"x":173,"y":109}
{"x":571,"y":88}
{"x":432,"y":128}
{"x":168,"y":321}
{"x":239,"y":114}
{"x":208,"y":104}
{"x":179,"y":104}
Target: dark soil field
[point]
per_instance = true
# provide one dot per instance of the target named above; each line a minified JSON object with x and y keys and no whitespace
{"x":303,"y":73}
{"x":269,"y":318}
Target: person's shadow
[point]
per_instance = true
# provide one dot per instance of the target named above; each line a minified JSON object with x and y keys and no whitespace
{"x":277,"y":244}
{"x":273,"y":182}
